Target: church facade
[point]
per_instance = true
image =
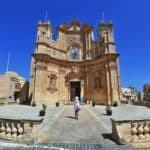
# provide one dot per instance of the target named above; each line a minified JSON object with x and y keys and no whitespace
{"x":74,"y":65}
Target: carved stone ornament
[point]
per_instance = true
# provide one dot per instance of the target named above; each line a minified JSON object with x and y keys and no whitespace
{"x":113,"y":66}
{"x":72,"y":75}
{"x":61,"y":70}
{"x":75,"y":68}
{"x":52,"y":83}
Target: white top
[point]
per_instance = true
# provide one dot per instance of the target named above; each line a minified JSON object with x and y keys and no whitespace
{"x":76,"y":103}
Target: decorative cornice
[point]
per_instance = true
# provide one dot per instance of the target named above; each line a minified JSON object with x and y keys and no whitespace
{"x":50,"y":60}
{"x":84,"y":28}
{"x":44,"y":24}
{"x":113,"y":43}
{"x":41,"y":67}
{"x":106,"y":25}
{"x":72,"y":75}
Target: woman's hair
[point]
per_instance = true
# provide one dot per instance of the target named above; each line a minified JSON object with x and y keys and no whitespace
{"x":76,"y":98}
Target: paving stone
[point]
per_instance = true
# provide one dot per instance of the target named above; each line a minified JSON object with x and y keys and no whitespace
{"x":20,"y":112}
{"x":68,"y":129}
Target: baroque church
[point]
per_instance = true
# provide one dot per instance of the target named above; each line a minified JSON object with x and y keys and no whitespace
{"x":74,"y":64}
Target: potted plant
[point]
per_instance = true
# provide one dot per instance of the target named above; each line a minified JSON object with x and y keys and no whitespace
{"x":33,"y":104}
{"x":115,"y":103}
{"x":93,"y":104}
{"x":108,"y":110}
{"x":42,"y":112}
{"x":44,"y":106}
{"x":57,"y":104}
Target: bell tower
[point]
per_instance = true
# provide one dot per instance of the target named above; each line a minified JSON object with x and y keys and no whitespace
{"x":106,"y":35}
{"x":44,"y":30}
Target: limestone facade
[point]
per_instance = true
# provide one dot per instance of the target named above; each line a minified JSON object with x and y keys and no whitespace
{"x":74,"y":64}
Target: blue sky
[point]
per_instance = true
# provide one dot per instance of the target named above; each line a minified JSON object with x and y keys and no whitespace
{"x":131,"y":19}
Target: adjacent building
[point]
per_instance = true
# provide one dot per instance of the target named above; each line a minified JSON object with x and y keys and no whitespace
{"x":74,"y":64}
{"x":128,"y":95}
{"x":146,"y":92}
{"x":11,"y":87}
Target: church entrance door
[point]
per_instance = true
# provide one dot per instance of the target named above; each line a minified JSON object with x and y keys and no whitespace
{"x":75,"y":89}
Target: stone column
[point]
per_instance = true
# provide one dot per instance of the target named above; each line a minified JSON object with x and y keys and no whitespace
{"x":68,"y":85}
{"x":82,"y":90}
{"x":118,"y":78}
{"x":108,"y":84}
{"x":86,"y":83}
{"x":90,"y":86}
{"x":113,"y":82}
{"x":86,"y":39}
{"x":34,"y":83}
{"x":59,"y":85}
{"x":89,"y":39}
{"x":105,"y":38}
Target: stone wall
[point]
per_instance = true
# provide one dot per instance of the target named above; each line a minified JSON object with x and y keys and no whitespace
{"x":51,"y":91}
{"x":96,"y":89}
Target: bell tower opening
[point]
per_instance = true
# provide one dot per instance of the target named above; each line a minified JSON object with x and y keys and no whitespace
{"x":75,"y":89}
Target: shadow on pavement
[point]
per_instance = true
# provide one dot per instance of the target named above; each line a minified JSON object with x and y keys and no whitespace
{"x":71,"y":117}
{"x":107,"y":136}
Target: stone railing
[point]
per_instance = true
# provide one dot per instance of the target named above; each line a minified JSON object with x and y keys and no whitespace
{"x":142,"y":103}
{"x":135,"y":132}
{"x":17,"y":130}
{"x":7,"y":101}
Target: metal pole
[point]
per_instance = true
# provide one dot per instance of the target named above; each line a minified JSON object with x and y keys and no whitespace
{"x":8,"y":62}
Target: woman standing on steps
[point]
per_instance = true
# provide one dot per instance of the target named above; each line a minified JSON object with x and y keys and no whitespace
{"x":77,"y":107}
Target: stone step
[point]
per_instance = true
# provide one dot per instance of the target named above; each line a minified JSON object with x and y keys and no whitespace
{"x":73,"y":146}
{"x":140,"y":145}
{"x":71,"y":103}
{"x":80,"y":140}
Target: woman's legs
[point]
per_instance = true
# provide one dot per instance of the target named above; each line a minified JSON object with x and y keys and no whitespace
{"x":77,"y":114}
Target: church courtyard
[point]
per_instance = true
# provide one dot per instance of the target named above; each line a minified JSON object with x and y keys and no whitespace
{"x":60,"y":130}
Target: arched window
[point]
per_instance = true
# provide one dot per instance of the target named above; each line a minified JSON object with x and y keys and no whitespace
{"x":74,"y":53}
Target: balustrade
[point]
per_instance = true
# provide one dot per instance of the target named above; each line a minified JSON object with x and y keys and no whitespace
{"x":3,"y":128}
{"x":12,"y":129}
{"x":135,"y":132}
{"x":140,"y":130}
{"x":8,"y":129}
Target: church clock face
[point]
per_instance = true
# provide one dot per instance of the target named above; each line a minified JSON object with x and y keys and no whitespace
{"x":74,"y":53}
